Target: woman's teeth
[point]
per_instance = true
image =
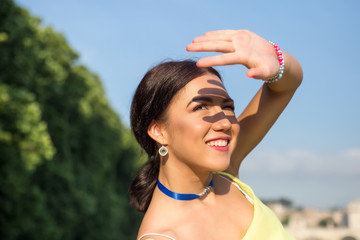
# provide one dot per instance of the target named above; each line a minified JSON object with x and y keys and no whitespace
{"x":218,"y":143}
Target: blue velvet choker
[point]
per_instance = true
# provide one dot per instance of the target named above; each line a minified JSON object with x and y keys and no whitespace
{"x":180,"y":196}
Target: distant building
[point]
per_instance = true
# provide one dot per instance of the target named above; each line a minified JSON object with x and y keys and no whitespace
{"x":313,"y":224}
{"x":353,"y":214}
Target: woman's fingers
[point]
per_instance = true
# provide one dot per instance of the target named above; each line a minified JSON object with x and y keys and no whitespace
{"x":220,"y":35}
{"x":220,"y":60}
{"x":211,"y":46}
{"x":257,"y":73}
{"x":206,"y":38}
{"x":239,"y":47}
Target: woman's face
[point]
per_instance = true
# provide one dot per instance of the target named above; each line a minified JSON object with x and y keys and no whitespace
{"x":201,"y":125}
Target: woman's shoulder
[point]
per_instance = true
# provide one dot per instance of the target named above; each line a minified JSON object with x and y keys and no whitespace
{"x":151,"y":229}
{"x":157,"y":223}
{"x":154,"y":231}
{"x":242,"y":187}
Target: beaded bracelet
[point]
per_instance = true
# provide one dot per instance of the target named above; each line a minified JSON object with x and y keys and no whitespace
{"x":281,"y":62}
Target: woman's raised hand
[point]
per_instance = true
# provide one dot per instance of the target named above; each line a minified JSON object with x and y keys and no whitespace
{"x":238,"y":47}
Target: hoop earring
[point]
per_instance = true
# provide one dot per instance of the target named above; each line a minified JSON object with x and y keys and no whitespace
{"x":163,"y":151}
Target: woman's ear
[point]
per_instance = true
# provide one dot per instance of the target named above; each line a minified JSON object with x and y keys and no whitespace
{"x":157,"y":132}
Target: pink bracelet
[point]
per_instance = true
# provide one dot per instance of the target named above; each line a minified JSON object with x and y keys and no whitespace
{"x":281,"y":62}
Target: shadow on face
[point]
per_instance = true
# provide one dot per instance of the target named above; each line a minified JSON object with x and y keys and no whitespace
{"x":217,"y":94}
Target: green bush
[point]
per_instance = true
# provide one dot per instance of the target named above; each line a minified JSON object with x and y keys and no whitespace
{"x":66,"y":159}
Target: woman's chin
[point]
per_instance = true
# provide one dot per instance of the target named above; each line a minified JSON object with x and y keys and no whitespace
{"x":220,"y":166}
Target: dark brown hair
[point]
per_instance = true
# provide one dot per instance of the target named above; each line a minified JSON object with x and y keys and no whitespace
{"x":151,"y":99}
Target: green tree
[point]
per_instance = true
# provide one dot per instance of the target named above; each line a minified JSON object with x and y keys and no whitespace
{"x":65,"y":157}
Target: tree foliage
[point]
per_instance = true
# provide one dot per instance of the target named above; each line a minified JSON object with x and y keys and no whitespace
{"x":65,"y":157}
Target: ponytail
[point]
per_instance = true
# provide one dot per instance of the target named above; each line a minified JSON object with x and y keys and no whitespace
{"x":143,"y":185}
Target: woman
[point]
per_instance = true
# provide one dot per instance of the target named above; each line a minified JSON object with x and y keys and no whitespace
{"x":184,"y":119}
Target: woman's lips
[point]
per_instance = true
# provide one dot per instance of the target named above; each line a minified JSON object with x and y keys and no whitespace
{"x":221,"y":149}
{"x":219,"y":144}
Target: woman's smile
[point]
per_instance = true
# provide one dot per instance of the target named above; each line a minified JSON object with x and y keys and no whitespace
{"x":219,"y":144}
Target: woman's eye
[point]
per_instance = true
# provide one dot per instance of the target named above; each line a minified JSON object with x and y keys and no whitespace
{"x":230,"y":107}
{"x":200,"y":107}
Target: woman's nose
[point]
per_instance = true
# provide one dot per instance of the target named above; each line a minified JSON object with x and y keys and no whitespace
{"x":222,"y":122}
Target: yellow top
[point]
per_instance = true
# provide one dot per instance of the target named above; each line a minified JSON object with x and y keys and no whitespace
{"x":265,"y":224}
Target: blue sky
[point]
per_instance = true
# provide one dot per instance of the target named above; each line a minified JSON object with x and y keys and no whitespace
{"x":312,"y":154}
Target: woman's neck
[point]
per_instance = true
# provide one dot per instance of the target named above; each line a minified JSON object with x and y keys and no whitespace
{"x":180,"y":178}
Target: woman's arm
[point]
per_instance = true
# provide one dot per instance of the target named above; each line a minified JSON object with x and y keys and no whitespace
{"x":258,"y":55}
{"x":264,"y":109}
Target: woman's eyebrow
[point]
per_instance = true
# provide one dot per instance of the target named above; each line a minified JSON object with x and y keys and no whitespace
{"x":200,"y":98}
{"x":203,"y":98}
